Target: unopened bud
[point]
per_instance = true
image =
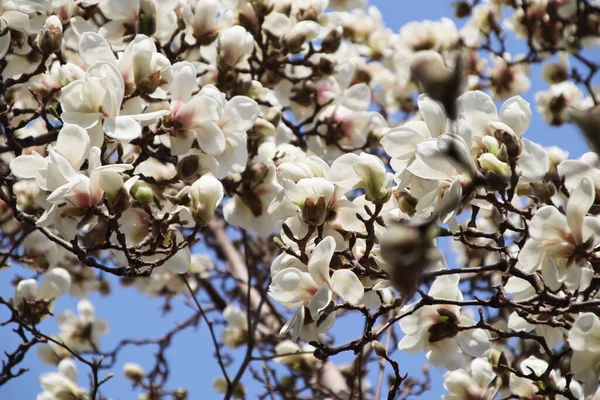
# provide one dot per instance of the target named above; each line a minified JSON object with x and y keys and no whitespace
{"x":462,"y":9}
{"x":273,"y":115}
{"x":142,"y":193}
{"x":380,"y":349}
{"x":490,"y":163}
{"x":315,"y":213}
{"x":188,"y":166}
{"x":133,"y":372}
{"x":406,"y":202}
{"x":332,"y":41}
{"x":49,"y":39}
{"x":491,"y":144}
{"x":264,"y":127}
{"x":302,"y":32}
{"x":180,"y":394}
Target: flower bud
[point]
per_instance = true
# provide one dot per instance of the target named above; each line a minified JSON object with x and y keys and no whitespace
{"x":490,"y":163}
{"x":49,"y":40}
{"x":380,"y":349}
{"x":133,"y":372}
{"x":332,"y":41}
{"x":462,"y":9}
{"x":315,"y":213}
{"x":491,"y":144}
{"x":205,"y":194}
{"x":142,"y":193}
{"x":234,"y":46}
{"x":406,"y":202}
{"x":188,"y":166}
{"x":264,"y":128}
{"x":303,"y":31}
{"x":374,"y":178}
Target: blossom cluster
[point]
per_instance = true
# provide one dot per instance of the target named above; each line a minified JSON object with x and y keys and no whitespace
{"x":296,"y":161}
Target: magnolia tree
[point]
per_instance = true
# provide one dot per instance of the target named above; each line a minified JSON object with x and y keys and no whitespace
{"x":283,"y":165}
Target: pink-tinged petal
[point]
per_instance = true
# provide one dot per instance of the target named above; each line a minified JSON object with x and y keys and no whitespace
{"x":578,"y":205}
{"x":198,"y":110}
{"x":346,"y":284}
{"x":319,"y":301}
{"x":211,"y":138}
{"x":122,"y":128}
{"x":318,"y":264}
{"x":94,"y":48}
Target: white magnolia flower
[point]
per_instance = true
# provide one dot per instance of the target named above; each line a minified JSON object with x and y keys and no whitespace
{"x":437,"y":329}
{"x":62,"y":385}
{"x":236,"y":332}
{"x":295,"y":284}
{"x":81,"y":333}
{"x":557,"y":238}
{"x":553,"y":103}
{"x":471,"y":384}
{"x":304,"y":359}
{"x":207,"y":21}
{"x":234,"y":46}
{"x":95,"y":104}
{"x":55,"y":283}
{"x":206,"y":194}
{"x":584,"y":339}
{"x":527,"y":388}
{"x":144,"y":70}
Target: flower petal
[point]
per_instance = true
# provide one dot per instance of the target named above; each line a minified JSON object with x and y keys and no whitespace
{"x":347,"y":285}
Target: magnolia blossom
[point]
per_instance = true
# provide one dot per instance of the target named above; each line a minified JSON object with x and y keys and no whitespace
{"x":553,"y":103}
{"x":472,"y":385}
{"x":557,"y":240}
{"x":303,"y":359}
{"x":528,"y":388}
{"x":95,"y":104}
{"x":62,"y":384}
{"x":206,"y":194}
{"x":584,"y":339}
{"x":235,"y":333}
{"x":234,"y":46}
{"x":81,"y":333}
{"x":438,"y":329}
{"x":310,"y":286}
{"x":55,"y":283}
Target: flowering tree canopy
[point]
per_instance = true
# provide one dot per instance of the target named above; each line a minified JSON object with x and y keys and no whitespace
{"x":283,"y":165}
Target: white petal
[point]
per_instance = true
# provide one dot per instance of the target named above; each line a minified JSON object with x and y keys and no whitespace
{"x":578,"y":205}
{"x":358,"y":97}
{"x":73,"y":143}
{"x":210,"y":138}
{"x":122,"y":128}
{"x":347,"y":285}
{"x":533,"y":162}
{"x":94,"y":48}
{"x":318,"y":264}
{"x":516,"y":113}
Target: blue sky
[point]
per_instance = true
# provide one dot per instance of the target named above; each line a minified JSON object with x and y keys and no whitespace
{"x":192,"y":365}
